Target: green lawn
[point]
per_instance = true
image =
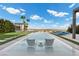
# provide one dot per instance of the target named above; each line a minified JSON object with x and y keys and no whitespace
{"x":3,"y":36}
{"x":6,"y":37}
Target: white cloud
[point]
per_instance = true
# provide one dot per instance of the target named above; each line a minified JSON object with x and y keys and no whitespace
{"x":13,"y":21}
{"x":22,"y":9}
{"x":47,"y":21}
{"x":56,"y":13}
{"x":72,"y":5}
{"x":36,"y":27}
{"x":36,"y":17}
{"x":55,"y":25}
{"x":4,"y":7}
{"x":13,"y":10}
{"x":58,"y":26}
{"x":64,"y":26}
{"x":1,"y":5}
{"x":52,"y":26}
{"x":67,"y":19}
{"x":22,"y":13}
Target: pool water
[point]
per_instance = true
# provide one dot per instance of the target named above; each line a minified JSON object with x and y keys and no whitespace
{"x":21,"y":48}
{"x":40,"y":36}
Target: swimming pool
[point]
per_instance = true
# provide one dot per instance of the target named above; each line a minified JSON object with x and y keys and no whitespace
{"x":21,"y":47}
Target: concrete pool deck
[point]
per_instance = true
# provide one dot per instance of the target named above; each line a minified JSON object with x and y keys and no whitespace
{"x":11,"y":42}
{"x":20,"y":48}
{"x":70,"y":36}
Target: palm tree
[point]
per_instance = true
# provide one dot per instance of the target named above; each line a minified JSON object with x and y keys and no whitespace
{"x":23,"y":18}
{"x":25,"y":22}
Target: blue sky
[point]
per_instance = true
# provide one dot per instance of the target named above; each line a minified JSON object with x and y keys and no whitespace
{"x":41,"y":15}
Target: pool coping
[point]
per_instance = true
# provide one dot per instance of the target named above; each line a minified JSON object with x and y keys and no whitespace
{"x":76,"y":46}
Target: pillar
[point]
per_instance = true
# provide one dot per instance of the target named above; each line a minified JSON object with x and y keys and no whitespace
{"x":74,"y":25}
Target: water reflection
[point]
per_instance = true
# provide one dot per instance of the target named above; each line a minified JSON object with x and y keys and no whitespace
{"x":41,"y":50}
{"x":31,"y":50}
{"x":48,"y":50}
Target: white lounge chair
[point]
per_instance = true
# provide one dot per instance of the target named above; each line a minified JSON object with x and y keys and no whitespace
{"x":49,"y":42}
{"x":31,"y":42}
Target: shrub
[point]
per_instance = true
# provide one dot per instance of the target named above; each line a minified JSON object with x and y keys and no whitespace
{"x":6,"y":26}
{"x":9,"y":27}
{"x":2,"y":25}
{"x":70,"y":29}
